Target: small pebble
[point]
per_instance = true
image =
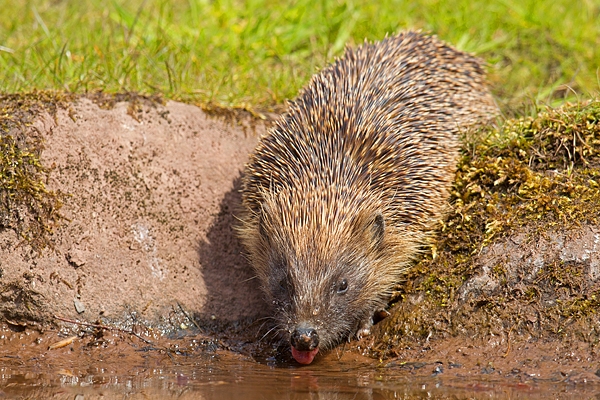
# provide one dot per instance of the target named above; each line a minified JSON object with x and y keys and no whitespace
{"x":438,"y":370}
{"x":79,"y":307}
{"x":487,"y":370}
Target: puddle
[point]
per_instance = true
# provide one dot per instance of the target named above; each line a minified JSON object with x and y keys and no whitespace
{"x":220,"y":378}
{"x":223,"y":378}
{"x":118,"y":366}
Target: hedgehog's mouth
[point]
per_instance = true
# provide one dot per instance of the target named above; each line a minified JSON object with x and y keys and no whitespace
{"x":305,"y":343}
{"x":304,"y":357}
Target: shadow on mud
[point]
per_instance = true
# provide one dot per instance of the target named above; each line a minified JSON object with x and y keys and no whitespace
{"x":235,"y":310}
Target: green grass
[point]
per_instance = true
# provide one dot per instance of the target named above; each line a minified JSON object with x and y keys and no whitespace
{"x":258,"y":52}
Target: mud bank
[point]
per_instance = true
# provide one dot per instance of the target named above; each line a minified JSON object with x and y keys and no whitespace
{"x":146,"y":243}
{"x":146,"y":230}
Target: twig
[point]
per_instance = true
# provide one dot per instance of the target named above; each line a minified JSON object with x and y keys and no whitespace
{"x":508,"y":341}
{"x":188,"y":317}
{"x":105,"y":327}
{"x":72,"y":321}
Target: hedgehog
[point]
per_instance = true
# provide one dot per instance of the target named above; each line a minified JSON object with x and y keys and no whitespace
{"x":350,"y":184}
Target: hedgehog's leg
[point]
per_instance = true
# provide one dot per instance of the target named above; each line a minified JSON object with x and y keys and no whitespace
{"x":365,"y":329}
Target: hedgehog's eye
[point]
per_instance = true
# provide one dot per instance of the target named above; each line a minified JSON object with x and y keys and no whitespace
{"x":342,"y":286}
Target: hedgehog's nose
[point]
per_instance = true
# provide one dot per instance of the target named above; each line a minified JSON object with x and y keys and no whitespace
{"x":304,"y":339}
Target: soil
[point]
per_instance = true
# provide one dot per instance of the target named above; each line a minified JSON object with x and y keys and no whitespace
{"x":148,"y":215}
{"x":147,"y":250}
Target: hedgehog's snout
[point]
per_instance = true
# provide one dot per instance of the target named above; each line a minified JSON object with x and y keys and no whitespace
{"x":304,"y":339}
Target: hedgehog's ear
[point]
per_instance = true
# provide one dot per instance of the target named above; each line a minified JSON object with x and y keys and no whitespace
{"x":377,"y":228}
{"x":372,"y":228}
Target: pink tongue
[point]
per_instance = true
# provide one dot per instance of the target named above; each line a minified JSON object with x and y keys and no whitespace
{"x":304,"y":357}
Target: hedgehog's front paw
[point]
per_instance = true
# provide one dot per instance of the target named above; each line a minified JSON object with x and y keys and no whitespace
{"x":363,"y":332}
{"x":365,"y":329}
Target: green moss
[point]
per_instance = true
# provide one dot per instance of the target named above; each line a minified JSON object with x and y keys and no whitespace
{"x":531,"y":175}
{"x":532,"y":169}
{"x":26,"y":204}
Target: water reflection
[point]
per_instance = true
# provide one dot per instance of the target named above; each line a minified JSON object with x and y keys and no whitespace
{"x":117,"y":365}
{"x":226,"y":376}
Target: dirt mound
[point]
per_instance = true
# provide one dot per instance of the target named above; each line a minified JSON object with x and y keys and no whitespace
{"x":149,"y":203}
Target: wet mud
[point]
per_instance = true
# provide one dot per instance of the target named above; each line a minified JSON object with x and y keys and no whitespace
{"x":117,"y":365}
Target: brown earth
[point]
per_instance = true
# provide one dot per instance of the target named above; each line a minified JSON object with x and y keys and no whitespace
{"x":148,"y":244}
{"x":149,"y":213}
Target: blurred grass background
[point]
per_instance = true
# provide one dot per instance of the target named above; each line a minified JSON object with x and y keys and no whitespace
{"x":257,"y":53}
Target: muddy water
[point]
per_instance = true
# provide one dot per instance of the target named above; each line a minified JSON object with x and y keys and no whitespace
{"x":119,"y":366}
{"x":223,"y":378}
